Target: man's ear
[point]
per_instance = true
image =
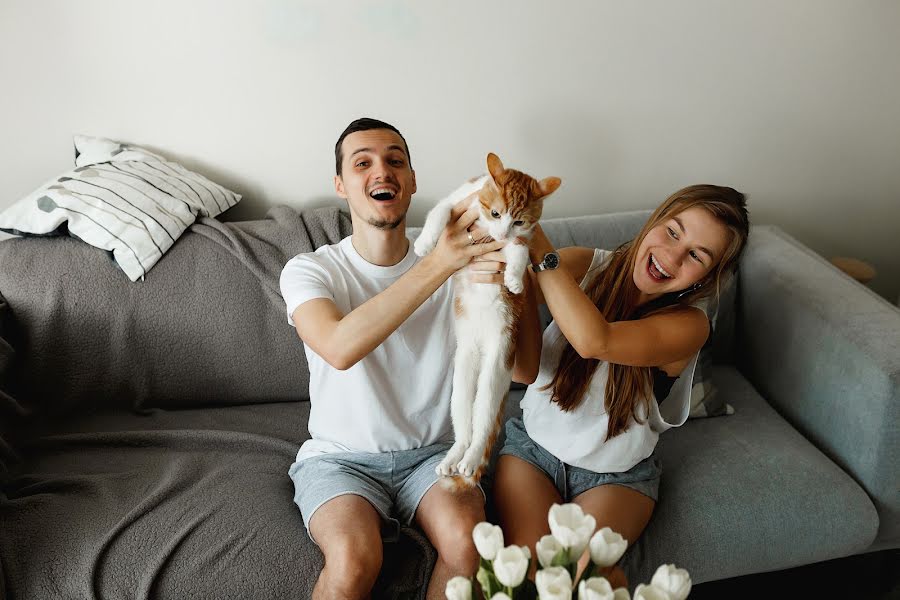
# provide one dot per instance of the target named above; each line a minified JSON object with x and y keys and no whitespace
{"x":414,"y":184}
{"x":339,"y":186}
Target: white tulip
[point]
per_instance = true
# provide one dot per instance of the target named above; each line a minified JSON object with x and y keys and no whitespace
{"x":571,"y":527}
{"x":595,"y":588}
{"x":607,"y":547}
{"x":650,"y":592}
{"x":621,"y":594}
{"x":500,"y":596}
{"x":510,"y":565}
{"x":459,"y":588}
{"x":677,"y":582}
{"x":554,"y":583}
{"x":547,"y":548}
{"x":488,"y":540}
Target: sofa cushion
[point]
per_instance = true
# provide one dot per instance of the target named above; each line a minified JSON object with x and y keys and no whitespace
{"x":206,"y":327}
{"x":123,"y":199}
{"x":749,"y":494}
{"x":173,"y":504}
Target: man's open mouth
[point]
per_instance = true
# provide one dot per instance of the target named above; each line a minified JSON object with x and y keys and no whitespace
{"x":382,"y":193}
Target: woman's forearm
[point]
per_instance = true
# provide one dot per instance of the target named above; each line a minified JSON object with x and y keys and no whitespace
{"x":578,"y":318}
{"x":528,"y":337}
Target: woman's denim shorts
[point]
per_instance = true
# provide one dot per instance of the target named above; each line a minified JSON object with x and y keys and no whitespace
{"x":571,"y":481}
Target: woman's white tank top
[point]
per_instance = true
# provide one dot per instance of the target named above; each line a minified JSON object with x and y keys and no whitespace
{"x":576,"y":437}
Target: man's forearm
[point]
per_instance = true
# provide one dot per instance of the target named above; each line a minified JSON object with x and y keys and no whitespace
{"x":367,"y":326}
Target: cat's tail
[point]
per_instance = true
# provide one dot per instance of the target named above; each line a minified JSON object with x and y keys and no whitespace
{"x":459,"y":483}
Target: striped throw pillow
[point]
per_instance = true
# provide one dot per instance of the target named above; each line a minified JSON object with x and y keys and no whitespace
{"x":123,"y":199}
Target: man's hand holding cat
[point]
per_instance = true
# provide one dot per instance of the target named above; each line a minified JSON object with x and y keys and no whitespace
{"x":455,"y":248}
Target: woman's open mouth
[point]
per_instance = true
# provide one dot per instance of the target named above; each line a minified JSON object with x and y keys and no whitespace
{"x":656,"y":271}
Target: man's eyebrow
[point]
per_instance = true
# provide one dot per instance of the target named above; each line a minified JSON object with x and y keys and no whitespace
{"x":702,"y":248}
{"x":391,"y":147}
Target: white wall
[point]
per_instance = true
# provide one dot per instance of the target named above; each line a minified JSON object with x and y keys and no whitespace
{"x":795,"y":103}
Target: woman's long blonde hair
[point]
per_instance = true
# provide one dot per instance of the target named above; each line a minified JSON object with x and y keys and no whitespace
{"x":614,"y":293}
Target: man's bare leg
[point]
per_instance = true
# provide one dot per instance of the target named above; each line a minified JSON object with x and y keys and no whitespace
{"x":348,"y":530}
{"x":447,"y":518}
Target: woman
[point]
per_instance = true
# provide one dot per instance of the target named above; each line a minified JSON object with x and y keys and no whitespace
{"x":627,"y":325}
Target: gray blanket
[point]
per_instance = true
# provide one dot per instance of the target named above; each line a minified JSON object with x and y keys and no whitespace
{"x":155,"y":421}
{"x":207,"y":326}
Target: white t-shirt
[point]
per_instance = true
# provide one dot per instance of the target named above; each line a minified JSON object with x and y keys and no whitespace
{"x":397,"y":397}
{"x":576,"y":437}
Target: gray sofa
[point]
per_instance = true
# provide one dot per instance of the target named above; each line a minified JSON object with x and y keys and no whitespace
{"x":146,"y":428}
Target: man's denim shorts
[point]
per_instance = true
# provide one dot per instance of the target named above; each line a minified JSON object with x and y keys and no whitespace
{"x":393,"y":482}
{"x":572,"y":481}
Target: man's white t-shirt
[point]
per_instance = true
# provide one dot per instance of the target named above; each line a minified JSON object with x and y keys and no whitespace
{"x":577,"y":437}
{"x":397,"y":397}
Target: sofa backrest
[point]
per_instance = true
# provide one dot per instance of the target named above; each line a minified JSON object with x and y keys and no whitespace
{"x":206,"y":326}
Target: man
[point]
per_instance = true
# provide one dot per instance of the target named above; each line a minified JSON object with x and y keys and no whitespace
{"x":376,"y":324}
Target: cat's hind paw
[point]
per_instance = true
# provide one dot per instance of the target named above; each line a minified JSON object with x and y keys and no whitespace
{"x":468,"y":465}
{"x":445,"y":468}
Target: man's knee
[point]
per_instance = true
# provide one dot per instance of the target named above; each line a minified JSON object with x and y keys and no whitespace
{"x":456,"y":549}
{"x":352,"y":564}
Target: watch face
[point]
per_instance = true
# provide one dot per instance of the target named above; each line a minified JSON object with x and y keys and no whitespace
{"x":551,"y":260}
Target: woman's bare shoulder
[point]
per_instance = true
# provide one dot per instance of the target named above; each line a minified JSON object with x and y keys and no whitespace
{"x":576,"y":260}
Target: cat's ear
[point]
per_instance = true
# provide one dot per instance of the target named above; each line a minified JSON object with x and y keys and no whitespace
{"x":495,"y":167}
{"x":549,"y":185}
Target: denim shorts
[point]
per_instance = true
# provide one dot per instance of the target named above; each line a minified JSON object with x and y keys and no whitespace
{"x":572,"y":481}
{"x":393,"y":482}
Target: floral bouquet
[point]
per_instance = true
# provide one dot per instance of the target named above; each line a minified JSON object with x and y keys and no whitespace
{"x":503,"y":569}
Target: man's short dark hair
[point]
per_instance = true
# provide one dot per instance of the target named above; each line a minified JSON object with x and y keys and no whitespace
{"x":364,"y":124}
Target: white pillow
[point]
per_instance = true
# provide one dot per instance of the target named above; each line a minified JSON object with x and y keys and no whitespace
{"x":120,"y":198}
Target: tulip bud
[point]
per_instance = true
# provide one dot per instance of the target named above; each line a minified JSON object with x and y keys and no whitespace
{"x":607,"y":547}
{"x":677,"y":582}
{"x":510,"y":566}
{"x":554,"y":583}
{"x":488,"y":540}
{"x":650,"y":592}
{"x":595,"y":588}
{"x":547,"y":548}
{"x":571,"y":527}
{"x":459,"y":588}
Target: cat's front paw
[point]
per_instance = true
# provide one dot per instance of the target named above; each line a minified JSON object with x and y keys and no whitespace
{"x":424,"y":244}
{"x":514,"y":284}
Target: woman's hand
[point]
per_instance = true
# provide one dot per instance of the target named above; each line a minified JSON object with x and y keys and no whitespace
{"x":540,"y":245}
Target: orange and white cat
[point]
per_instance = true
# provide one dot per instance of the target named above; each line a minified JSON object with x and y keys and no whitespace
{"x":487,"y":316}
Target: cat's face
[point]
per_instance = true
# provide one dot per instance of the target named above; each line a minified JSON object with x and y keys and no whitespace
{"x":512,"y":201}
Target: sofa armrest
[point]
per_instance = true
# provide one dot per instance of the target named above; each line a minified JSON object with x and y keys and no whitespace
{"x":825,"y":352}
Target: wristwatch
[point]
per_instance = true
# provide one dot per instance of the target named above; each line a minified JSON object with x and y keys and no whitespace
{"x":550,"y":262}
